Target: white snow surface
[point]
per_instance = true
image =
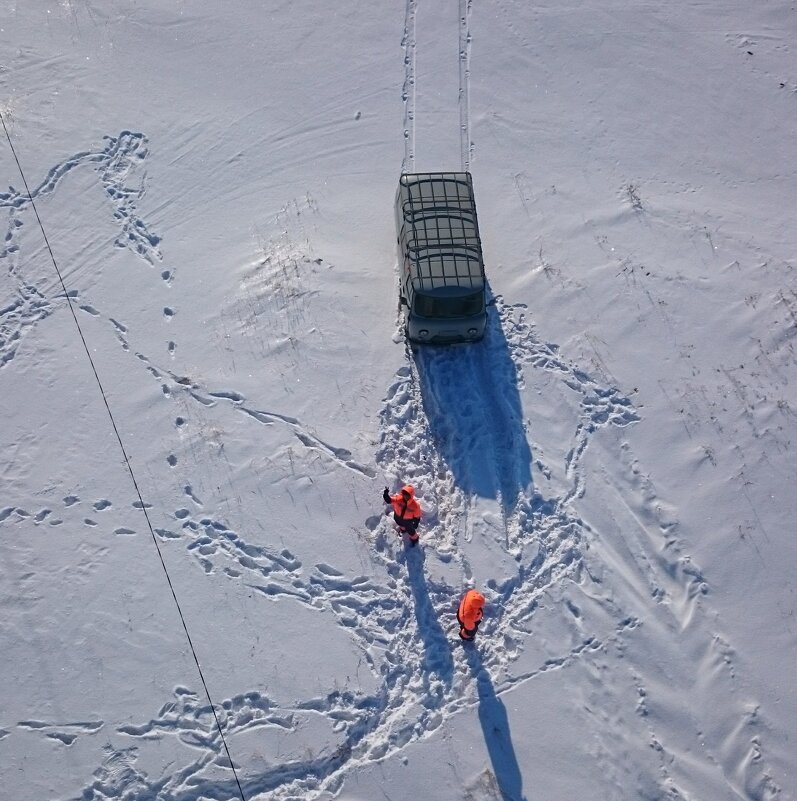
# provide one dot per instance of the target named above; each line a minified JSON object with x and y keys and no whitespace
{"x":613,"y":466}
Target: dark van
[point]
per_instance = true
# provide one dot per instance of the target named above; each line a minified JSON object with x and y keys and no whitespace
{"x":440,"y":258}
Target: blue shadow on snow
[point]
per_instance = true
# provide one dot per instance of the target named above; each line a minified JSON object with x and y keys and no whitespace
{"x":472,"y":402}
{"x":495,"y":727}
{"x":437,"y":648}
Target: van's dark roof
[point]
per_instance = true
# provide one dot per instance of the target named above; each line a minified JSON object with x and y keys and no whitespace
{"x":441,"y":230}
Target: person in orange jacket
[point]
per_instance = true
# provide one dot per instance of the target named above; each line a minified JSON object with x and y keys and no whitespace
{"x":406,"y":511}
{"x":470,"y":613}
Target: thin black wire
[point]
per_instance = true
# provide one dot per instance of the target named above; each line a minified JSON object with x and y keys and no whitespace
{"x":124,"y":454}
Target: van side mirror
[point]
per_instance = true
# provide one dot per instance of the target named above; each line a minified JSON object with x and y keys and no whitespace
{"x":491,"y":302}
{"x":403,"y":301}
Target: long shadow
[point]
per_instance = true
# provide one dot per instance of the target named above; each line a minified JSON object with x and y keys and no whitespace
{"x":437,"y":648}
{"x":472,"y":402}
{"x":495,"y":727}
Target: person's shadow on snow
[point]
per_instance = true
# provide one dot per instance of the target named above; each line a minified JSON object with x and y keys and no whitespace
{"x":437,"y":648}
{"x":495,"y":727}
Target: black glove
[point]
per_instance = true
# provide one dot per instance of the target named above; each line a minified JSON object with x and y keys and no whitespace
{"x":386,"y":496}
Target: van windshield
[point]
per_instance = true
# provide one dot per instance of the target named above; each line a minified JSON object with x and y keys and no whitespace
{"x":448,"y":306}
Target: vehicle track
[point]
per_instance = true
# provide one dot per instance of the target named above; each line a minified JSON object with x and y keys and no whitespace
{"x":465,"y":143}
{"x":408,"y":89}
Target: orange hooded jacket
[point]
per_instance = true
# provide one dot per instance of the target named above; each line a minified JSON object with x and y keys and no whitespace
{"x":406,"y":509}
{"x":471,"y":609}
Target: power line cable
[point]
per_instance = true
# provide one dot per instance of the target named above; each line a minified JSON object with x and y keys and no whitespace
{"x":124,"y":454}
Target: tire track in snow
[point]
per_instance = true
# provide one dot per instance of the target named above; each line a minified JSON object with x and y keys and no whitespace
{"x":465,"y":143}
{"x":408,"y":89}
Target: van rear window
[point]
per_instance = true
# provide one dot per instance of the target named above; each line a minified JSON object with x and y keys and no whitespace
{"x":442,"y":307}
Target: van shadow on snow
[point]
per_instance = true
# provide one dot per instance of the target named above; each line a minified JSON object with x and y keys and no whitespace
{"x":472,"y":402}
{"x":495,"y":727}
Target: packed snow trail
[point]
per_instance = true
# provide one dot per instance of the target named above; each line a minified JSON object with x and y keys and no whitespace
{"x":111,"y":153}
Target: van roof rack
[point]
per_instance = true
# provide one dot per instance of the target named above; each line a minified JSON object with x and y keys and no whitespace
{"x":444,"y":269}
{"x":442,"y":230}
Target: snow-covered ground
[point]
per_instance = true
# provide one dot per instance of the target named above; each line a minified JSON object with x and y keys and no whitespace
{"x":612,"y":467}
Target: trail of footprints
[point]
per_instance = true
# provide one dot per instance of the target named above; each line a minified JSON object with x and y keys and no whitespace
{"x":173,"y":385}
{"x":65,"y":733}
{"x":115,"y":164}
{"x":418,"y":669}
{"x":422,"y":678}
{"x":52,"y":517}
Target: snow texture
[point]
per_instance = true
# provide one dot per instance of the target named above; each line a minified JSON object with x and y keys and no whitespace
{"x":612,"y":466}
